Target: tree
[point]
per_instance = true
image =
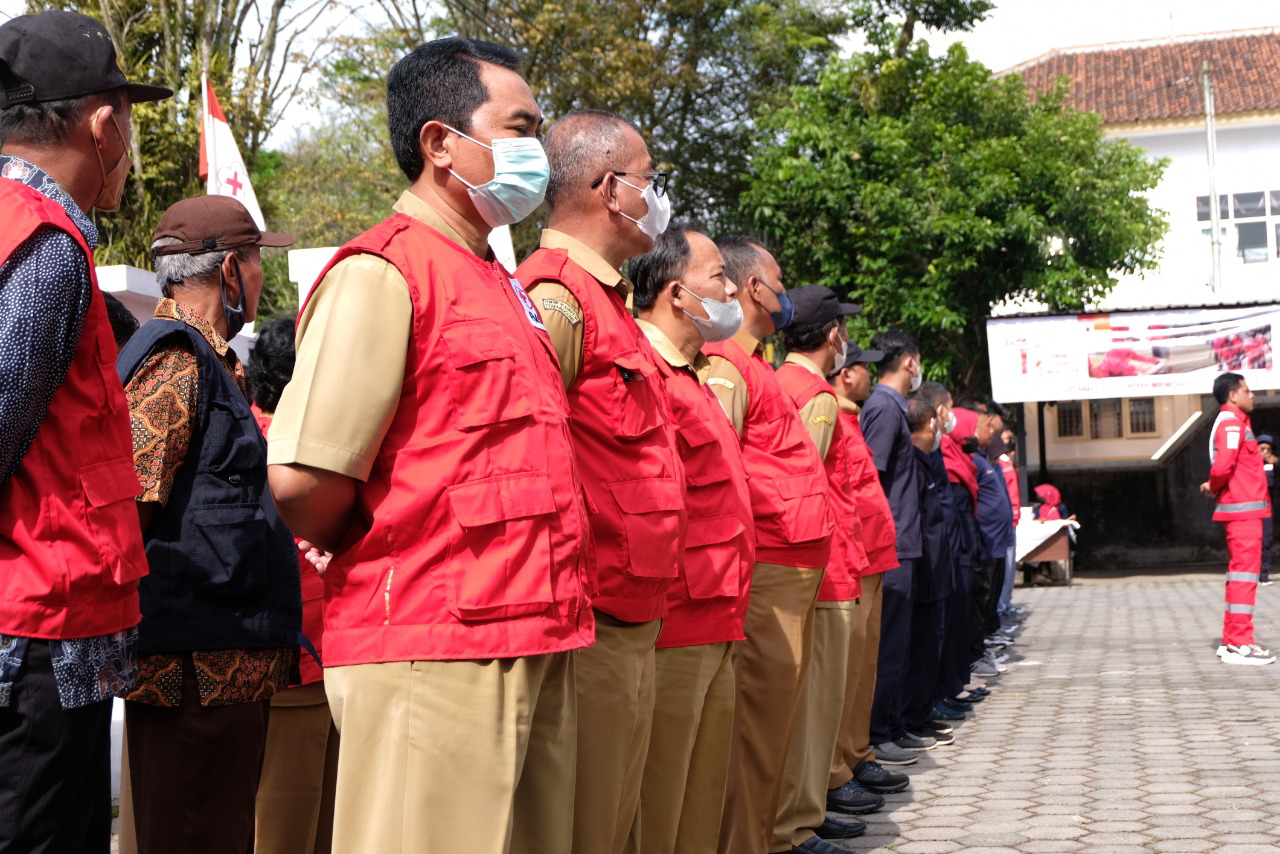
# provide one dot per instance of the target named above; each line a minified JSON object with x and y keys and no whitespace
{"x":927,"y":189}
{"x":258,"y":57}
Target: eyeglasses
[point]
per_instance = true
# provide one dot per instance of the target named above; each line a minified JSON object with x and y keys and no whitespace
{"x":657,"y":179}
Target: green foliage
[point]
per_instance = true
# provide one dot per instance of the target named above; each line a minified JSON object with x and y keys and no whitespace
{"x":928,"y":190}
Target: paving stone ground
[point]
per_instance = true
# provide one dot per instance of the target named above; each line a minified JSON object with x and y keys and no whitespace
{"x":1115,"y":730}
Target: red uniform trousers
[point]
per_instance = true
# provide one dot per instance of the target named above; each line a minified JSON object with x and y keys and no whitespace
{"x":1244,"y":547}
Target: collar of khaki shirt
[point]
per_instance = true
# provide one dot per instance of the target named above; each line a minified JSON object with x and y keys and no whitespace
{"x":412,"y":206}
{"x":806,"y":363}
{"x":588,"y":259}
{"x":667,"y":349}
{"x":748,"y":342}
{"x":847,"y":405}
{"x":171,"y":309}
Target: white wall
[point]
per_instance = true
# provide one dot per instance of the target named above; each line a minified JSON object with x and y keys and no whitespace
{"x":1248,"y":160}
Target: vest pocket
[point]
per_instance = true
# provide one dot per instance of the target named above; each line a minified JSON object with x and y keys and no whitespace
{"x":637,"y":408}
{"x":110,"y":489}
{"x":651,"y":512}
{"x":484,"y":383}
{"x":720,"y":565}
{"x":499,"y":562}
{"x":803,"y":504}
{"x":704,"y":464}
{"x":231,"y":550}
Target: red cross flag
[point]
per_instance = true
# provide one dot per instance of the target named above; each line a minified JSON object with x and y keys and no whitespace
{"x":220,"y":163}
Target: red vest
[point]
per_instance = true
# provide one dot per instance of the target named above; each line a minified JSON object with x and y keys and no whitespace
{"x":788,"y":484}
{"x":70,"y":543}
{"x":1236,"y":474}
{"x":879,"y":539}
{"x":625,"y":447}
{"x":470,"y":533}
{"x":311,"y":585}
{"x":848,"y":559}
{"x":709,"y":603}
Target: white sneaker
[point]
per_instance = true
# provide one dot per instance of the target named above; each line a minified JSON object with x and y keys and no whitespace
{"x":1249,"y":654}
{"x":990,"y":658}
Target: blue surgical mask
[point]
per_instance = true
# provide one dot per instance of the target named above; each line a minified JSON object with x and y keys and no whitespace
{"x":786,"y":311}
{"x":520,"y":174}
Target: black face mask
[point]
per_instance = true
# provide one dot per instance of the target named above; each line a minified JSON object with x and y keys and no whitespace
{"x":969,"y":445}
{"x":235,"y":317}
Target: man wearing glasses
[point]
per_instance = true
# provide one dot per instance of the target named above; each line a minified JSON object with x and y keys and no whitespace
{"x":606,"y":205}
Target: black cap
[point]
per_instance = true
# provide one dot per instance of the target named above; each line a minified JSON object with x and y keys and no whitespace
{"x":817,"y":304}
{"x":56,"y":55}
{"x":858,"y":356}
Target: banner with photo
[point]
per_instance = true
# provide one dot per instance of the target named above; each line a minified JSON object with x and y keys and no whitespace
{"x":1130,"y":353}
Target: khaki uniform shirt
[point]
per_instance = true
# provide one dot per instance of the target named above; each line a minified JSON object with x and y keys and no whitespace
{"x":353,"y":343}
{"x":666,"y":348}
{"x":819,"y":414}
{"x":559,"y":308}
{"x":728,"y":383}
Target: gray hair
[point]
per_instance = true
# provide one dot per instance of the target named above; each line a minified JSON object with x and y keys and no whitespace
{"x":581,"y":147}
{"x":189,"y":268}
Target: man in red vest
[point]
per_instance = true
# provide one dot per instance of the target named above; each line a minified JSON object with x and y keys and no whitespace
{"x":684,"y":299}
{"x":793,"y":543}
{"x":606,"y":204}
{"x":70,"y":542}
{"x":817,"y":341}
{"x":1238,"y":483}
{"x":437,"y":467}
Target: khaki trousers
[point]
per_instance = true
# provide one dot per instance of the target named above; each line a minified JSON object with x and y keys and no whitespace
{"x":853,"y":745}
{"x":684,"y":775}
{"x":769,"y":668}
{"x":438,"y":757}
{"x":802,"y":806}
{"x":299,"y":775}
{"x":615,"y":716}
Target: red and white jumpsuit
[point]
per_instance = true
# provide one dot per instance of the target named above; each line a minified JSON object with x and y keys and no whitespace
{"x":1239,"y":483}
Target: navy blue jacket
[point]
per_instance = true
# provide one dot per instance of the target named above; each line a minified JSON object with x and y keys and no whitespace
{"x":224,"y":569}
{"x":995,"y":512}
{"x":931,"y":581}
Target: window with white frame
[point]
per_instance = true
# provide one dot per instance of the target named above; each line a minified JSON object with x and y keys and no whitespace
{"x":1251,"y":223}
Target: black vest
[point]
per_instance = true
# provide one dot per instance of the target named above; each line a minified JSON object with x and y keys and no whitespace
{"x":224,"y":569}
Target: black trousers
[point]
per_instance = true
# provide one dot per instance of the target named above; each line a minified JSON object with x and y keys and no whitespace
{"x":889,"y":701}
{"x":194,"y":771}
{"x":924,"y":664}
{"x":981,"y":599}
{"x":55,"y":767}
{"x":955,"y":641}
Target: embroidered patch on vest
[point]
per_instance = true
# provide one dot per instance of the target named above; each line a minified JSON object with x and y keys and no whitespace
{"x":1233,"y":439}
{"x":571,"y":314}
{"x":720,"y":381}
{"x":821,"y":419}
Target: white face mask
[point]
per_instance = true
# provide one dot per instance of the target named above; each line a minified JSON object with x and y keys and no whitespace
{"x":843,"y":353}
{"x":722,"y":321}
{"x":918,"y":379}
{"x":951,"y":423}
{"x":520,"y":175}
{"x":658,"y":214}
{"x":937,"y":438}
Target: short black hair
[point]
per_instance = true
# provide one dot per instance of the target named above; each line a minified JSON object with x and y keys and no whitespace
{"x":1224,"y":385}
{"x":896,"y":345}
{"x":996,"y":409}
{"x":935,"y":393}
{"x":48,"y":123}
{"x":123,"y":323}
{"x":741,"y":257}
{"x":973,"y":404}
{"x":919,"y":411}
{"x":668,"y":260}
{"x":438,"y":81}
{"x":271,"y":365}
{"x":808,"y":337}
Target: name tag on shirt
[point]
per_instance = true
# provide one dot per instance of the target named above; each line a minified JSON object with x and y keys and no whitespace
{"x":529,"y":311}
{"x":1233,"y":439}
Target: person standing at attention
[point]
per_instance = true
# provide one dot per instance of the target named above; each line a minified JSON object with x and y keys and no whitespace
{"x":1238,"y":483}
{"x":684,"y":299}
{"x":605,"y":204}
{"x":793,"y":544}
{"x":437,"y":470}
{"x":69,"y":536}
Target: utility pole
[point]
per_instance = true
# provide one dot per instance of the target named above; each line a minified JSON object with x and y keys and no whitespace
{"x":1211,"y":145}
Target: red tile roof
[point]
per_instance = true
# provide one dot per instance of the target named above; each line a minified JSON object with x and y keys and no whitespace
{"x":1142,"y":81}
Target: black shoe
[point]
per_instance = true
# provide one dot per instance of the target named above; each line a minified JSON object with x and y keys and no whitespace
{"x":943,"y":712}
{"x":955,"y":705}
{"x":935,"y":726}
{"x":852,"y":799}
{"x":835,"y":829}
{"x":814,"y":845}
{"x":874,"y":777}
{"x":937,"y":737}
